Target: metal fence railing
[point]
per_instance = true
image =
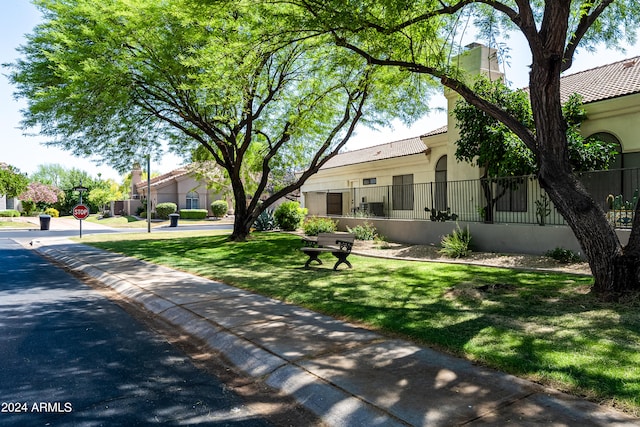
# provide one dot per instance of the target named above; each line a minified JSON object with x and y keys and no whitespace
{"x":500,"y":200}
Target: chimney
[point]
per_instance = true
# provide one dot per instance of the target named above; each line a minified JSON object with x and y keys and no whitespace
{"x":479,"y":59}
{"x":136,"y":178}
{"x":475,"y":61}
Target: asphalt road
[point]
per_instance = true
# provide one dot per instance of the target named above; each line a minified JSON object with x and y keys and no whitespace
{"x":70,"y":356}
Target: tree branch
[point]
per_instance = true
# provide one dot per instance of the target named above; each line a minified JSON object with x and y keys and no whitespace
{"x":586,"y":21}
{"x":321,"y":157}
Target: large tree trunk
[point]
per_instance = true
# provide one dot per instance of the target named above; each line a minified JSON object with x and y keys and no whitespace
{"x":242,"y":222}
{"x":615,"y":269}
{"x":241,"y":227}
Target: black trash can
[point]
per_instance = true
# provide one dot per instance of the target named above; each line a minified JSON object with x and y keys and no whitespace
{"x":45,"y":222}
{"x":174,"y":219}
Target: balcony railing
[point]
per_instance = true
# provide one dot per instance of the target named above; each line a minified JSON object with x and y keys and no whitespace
{"x":517,"y":200}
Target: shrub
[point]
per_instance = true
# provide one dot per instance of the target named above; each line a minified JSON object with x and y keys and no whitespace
{"x":28,"y":207}
{"x":564,"y":256}
{"x":364,"y":231}
{"x":457,"y":244}
{"x":289,"y":215}
{"x":265,"y":221}
{"x":164,"y":209}
{"x":316,"y":225}
{"x":193,"y":213}
{"x":143,"y":215}
{"x":9,"y":213}
{"x":52,"y":211}
{"x":219,"y":208}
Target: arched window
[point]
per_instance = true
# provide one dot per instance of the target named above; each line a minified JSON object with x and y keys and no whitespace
{"x":193,"y":200}
{"x":441,"y":184}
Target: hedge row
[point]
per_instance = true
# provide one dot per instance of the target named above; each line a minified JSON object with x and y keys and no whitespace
{"x":193,"y":213}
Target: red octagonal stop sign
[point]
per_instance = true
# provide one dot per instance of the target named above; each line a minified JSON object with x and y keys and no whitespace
{"x":80,"y":212}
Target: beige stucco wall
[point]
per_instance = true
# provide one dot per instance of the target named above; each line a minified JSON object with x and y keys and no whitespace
{"x":348,"y":180}
{"x":165,"y":193}
{"x":206,"y":197}
{"x":619,"y":117}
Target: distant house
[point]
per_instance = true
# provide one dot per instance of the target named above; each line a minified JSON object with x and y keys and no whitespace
{"x":405,"y":179}
{"x":179,"y":186}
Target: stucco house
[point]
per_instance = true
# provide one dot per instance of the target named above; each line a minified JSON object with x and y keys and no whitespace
{"x":8,"y":203}
{"x":178,"y":186}
{"x":403,"y":180}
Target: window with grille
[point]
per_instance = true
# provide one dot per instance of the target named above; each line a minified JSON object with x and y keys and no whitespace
{"x":193,"y":200}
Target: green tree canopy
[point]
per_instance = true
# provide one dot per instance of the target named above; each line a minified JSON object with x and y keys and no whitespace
{"x":119,"y":79}
{"x":12,"y":182}
{"x":492,"y":146}
{"x":52,"y":174}
{"x":104,"y":193}
{"x":66,"y":179}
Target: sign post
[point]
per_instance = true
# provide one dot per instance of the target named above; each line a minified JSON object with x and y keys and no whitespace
{"x":80,"y":211}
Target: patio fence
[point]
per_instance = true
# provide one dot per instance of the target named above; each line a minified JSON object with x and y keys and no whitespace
{"x":518,"y":200}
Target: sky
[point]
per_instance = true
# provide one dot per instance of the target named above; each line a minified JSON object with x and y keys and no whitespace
{"x":27,"y":152}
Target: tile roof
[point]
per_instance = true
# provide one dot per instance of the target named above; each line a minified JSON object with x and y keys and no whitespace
{"x":169,"y":176}
{"x":404,"y":147}
{"x":605,"y":82}
{"x":438,"y":131}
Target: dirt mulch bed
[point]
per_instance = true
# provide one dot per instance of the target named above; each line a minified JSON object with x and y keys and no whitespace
{"x":430,"y":253}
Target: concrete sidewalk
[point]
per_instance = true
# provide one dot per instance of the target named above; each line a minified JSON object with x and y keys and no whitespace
{"x":347,"y":375}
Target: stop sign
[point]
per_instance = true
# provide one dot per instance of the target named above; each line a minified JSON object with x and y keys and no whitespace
{"x":80,"y":212}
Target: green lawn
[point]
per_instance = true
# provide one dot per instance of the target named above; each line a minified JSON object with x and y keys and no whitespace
{"x":118,"y":221}
{"x":8,"y":223}
{"x":541,"y":326}
{"x":133,"y":222}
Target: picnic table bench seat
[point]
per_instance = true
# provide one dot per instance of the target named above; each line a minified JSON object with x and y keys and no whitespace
{"x":339,"y":244}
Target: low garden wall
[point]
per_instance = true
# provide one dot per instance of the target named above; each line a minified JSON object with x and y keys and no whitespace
{"x":505,"y":238}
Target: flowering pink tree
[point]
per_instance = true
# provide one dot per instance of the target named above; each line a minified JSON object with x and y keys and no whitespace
{"x":38,"y":193}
